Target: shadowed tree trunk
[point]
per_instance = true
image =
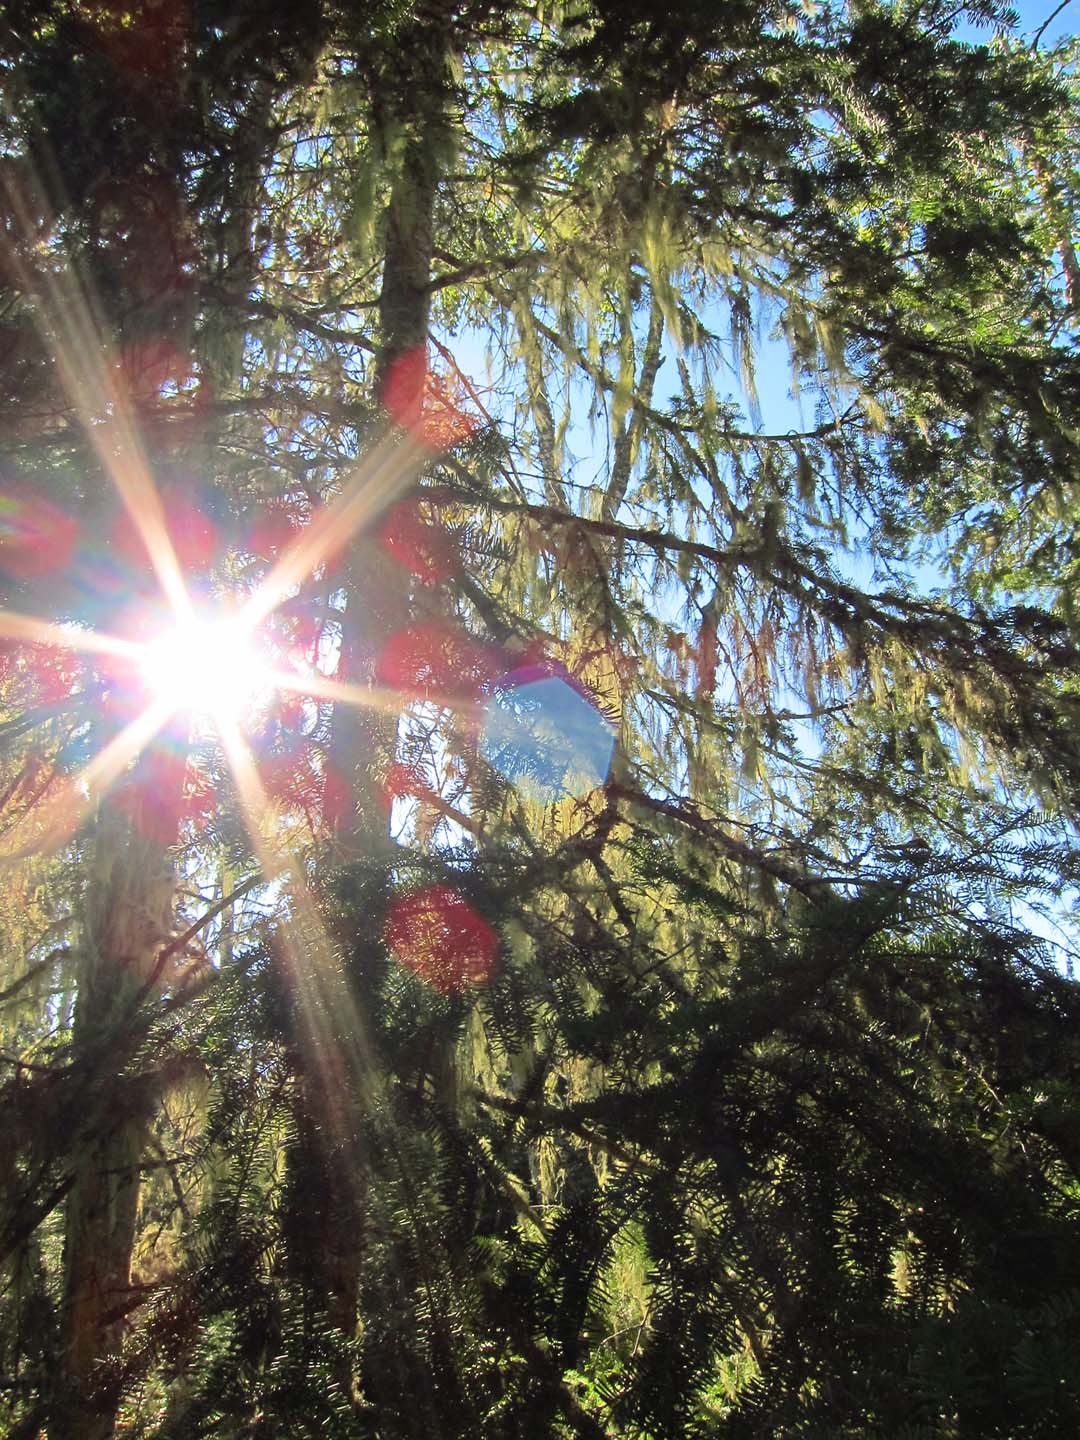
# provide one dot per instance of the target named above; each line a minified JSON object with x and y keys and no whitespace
{"x":376,"y":605}
{"x":127,"y":922}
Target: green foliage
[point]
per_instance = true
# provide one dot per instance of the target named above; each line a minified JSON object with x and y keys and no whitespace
{"x":765,"y":1120}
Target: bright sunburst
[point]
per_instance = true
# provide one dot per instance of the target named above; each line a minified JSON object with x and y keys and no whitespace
{"x":207,"y":667}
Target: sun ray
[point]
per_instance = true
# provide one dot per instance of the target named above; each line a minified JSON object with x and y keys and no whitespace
{"x":130,"y":474}
{"x":32,"y":630}
{"x":59,"y":817}
{"x":374,"y":697}
{"x":338,"y":1047}
{"x":86,"y":363}
{"x":335,"y":1032}
{"x":373,"y":484}
{"x":320,"y":687}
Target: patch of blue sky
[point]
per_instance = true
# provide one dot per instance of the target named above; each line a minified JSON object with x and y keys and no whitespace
{"x":1049,"y":19}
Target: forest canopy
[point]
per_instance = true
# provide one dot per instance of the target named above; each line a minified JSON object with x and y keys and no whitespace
{"x":539,"y":720}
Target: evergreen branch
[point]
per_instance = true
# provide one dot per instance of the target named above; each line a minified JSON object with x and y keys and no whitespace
{"x":308,"y":324}
{"x":36,"y":969}
{"x":17,"y":1233}
{"x":494,"y":265}
{"x":686,"y":813}
{"x":597,"y":373}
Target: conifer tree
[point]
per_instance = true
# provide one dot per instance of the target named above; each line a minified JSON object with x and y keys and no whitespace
{"x":606,"y":993}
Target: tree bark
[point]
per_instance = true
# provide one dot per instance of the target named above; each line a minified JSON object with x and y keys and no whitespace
{"x":127,"y":923}
{"x":376,"y":604}
{"x":363,"y":740}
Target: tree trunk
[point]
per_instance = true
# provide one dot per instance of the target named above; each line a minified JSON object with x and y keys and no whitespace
{"x":363,"y":740}
{"x":128,"y":919}
{"x":129,"y":910}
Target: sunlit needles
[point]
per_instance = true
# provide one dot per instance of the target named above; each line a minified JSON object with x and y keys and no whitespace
{"x":58,"y":817}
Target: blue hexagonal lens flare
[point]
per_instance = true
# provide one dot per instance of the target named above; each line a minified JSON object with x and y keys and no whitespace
{"x":542,"y":733}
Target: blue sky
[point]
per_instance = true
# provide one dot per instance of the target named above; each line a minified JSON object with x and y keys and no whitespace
{"x":1032,"y":14}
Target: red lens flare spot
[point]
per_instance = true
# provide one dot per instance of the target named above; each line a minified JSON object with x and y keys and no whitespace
{"x":39,"y":674}
{"x":194,"y":537}
{"x":289,"y":777}
{"x":437,"y":662}
{"x":428,"y":404}
{"x":407,"y":782}
{"x":57,"y":674}
{"x":422,"y":548}
{"x":165,"y":792}
{"x":149,"y":366}
{"x":404,"y":780}
{"x":145,"y":43}
{"x":36,"y":537}
{"x":403,"y":388}
{"x":297,"y":638}
{"x":287,"y":710}
{"x":438,"y":935}
{"x":298,"y":778}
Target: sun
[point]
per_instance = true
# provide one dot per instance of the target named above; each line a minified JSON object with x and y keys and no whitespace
{"x":207,"y":668}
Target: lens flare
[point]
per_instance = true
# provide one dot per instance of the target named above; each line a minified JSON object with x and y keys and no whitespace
{"x":438,"y":935}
